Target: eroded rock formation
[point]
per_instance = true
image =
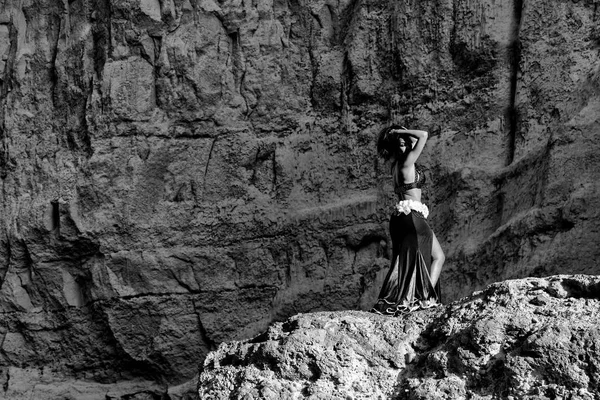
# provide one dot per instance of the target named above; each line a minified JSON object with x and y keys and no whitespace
{"x":532,"y":338}
{"x":178,"y":173}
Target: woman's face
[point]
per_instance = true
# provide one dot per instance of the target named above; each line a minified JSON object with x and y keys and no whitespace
{"x":402,"y":145}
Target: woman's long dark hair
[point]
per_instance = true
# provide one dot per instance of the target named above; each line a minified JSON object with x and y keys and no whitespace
{"x":388,"y":143}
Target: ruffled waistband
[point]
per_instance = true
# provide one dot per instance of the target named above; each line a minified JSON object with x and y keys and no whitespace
{"x":406,"y":206}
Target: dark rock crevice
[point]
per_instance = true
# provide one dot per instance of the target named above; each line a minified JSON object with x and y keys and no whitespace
{"x":208,"y":159}
{"x":514,"y":62}
{"x":577,"y":289}
{"x":101,"y":17}
{"x":7,"y":258}
{"x":56,"y":20}
{"x":7,"y":85}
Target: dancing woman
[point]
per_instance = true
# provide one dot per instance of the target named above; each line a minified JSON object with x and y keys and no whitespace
{"x":417,"y":257}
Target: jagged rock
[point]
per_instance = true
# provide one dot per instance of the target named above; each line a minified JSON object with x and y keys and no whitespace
{"x":534,"y":338}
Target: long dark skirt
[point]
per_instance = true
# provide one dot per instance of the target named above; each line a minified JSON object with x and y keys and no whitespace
{"x":407,"y":285}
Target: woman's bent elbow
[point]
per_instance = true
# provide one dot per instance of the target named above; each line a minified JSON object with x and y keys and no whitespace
{"x":438,"y":254}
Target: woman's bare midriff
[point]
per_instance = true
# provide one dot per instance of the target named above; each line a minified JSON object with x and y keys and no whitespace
{"x":412,"y":194}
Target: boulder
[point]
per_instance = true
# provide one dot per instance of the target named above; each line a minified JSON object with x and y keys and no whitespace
{"x":533,"y":338}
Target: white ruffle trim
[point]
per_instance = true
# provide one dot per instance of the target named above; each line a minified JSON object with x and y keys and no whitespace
{"x":405,"y":206}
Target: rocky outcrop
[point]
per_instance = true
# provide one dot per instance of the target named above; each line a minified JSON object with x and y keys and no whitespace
{"x":522,"y":339}
{"x":179,"y":173}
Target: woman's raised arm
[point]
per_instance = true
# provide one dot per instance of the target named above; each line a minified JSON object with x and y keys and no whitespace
{"x":420,"y":138}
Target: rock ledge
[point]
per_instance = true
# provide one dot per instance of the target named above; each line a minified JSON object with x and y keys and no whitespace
{"x":528,"y":338}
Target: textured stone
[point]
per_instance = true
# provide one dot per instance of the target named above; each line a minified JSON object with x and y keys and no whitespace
{"x":176,"y":174}
{"x":502,"y":342}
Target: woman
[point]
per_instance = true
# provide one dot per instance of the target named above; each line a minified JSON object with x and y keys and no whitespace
{"x":417,"y":258}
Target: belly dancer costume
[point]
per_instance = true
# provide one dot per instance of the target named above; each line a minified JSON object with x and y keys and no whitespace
{"x":408,"y":286}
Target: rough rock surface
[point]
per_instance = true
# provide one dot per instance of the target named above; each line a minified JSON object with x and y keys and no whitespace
{"x":178,"y":173}
{"x":530,"y":338}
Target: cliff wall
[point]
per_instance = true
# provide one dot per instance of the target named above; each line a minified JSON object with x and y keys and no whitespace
{"x":178,"y":173}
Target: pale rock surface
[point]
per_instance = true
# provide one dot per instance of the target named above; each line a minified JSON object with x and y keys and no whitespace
{"x":530,"y":338}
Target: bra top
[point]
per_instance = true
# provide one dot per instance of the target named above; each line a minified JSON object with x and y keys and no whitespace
{"x":419,"y":182}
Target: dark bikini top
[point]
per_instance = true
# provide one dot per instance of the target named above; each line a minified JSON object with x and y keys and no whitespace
{"x":419,"y":182}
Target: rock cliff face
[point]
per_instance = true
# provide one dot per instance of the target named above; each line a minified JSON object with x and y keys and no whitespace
{"x":523,"y":339}
{"x":178,"y":173}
